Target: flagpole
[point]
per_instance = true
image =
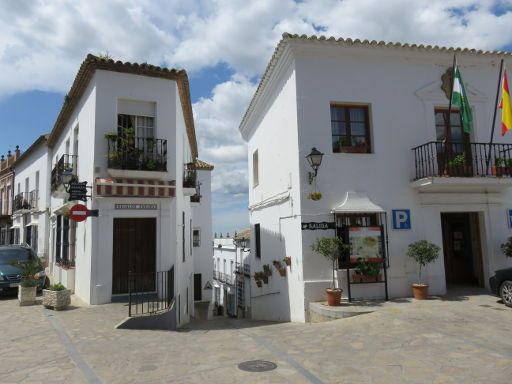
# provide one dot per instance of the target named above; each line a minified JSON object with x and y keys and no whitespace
{"x":449,"y":126}
{"x":494,"y":116}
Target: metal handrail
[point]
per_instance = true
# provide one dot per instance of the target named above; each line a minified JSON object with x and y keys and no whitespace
{"x":150,"y":292}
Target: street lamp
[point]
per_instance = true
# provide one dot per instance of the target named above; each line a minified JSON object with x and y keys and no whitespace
{"x":314,"y":159}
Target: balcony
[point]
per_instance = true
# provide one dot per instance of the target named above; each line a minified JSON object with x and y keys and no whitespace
{"x":136,"y":157}
{"x":223,"y":277}
{"x":21,"y":202}
{"x":63,"y":173}
{"x":462,"y":167}
{"x":190,"y":181}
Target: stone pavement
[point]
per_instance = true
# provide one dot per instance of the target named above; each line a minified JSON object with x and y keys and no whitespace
{"x":461,"y":339}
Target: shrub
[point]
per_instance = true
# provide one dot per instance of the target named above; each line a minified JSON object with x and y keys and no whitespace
{"x":423,"y":252}
{"x":57,"y":287}
{"x":506,"y":248}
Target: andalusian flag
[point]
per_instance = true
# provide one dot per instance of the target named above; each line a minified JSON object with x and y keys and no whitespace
{"x":460,"y":100}
{"x":506,"y":107}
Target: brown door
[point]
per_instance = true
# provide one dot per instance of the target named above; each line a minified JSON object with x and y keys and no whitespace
{"x":135,"y":251}
{"x":461,"y":243}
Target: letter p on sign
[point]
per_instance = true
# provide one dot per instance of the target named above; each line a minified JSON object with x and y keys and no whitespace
{"x":401,"y":219}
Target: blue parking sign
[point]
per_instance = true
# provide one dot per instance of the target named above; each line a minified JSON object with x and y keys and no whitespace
{"x":402,"y":218}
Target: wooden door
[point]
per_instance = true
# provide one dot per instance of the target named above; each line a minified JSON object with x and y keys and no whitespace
{"x":461,"y":265}
{"x":134,"y":249}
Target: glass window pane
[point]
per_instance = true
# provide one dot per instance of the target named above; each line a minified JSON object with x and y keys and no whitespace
{"x":455,"y":119}
{"x":358,"y":140}
{"x":440,"y":118}
{"x":337,"y":113}
{"x":357,"y":114}
{"x":440,"y":133}
{"x":338,"y":128}
{"x":357,"y":129}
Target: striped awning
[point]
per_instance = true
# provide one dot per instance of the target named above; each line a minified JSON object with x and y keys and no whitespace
{"x":134,"y":188}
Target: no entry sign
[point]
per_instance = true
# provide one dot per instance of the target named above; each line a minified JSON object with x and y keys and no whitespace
{"x":78,"y":212}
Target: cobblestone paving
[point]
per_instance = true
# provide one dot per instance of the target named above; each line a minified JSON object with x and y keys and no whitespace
{"x":466,"y":339}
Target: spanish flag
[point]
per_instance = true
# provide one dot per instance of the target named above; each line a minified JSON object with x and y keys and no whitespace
{"x":506,"y":107}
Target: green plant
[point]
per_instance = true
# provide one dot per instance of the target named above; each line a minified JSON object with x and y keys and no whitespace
{"x":499,"y":162}
{"x":151,"y":164}
{"x":332,"y":248}
{"x":111,"y":136}
{"x":57,"y":287}
{"x":267,"y":270}
{"x":190,"y":179}
{"x":458,"y":160}
{"x":368,"y":268}
{"x":423,"y":252}
{"x":315,"y":196}
{"x":29,"y":271}
{"x":506,"y":247}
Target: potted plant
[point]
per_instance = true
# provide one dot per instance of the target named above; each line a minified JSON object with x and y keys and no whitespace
{"x":27,"y":290}
{"x":502,"y":167}
{"x":56,"y":297}
{"x":423,"y":252}
{"x":506,"y":248}
{"x":367,"y":271}
{"x":331,"y":248}
{"x":259,"y":277}
{"x":288,"y":260}
{"x":280,"y":268}
{"x":267,"y":270}
{"x":315,"y":196}
{"x":190,"y":179}
{"x":458,"y":167}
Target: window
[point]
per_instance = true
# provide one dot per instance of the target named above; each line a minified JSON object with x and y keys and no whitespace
{"x":350,"y":129}
{"x":255,"y":169}
{"x":141,"y":127}
{"x":196,"y":238}
{"x":58,"y":239}
{"x":257,"y":240}
{"x":191,"y":237}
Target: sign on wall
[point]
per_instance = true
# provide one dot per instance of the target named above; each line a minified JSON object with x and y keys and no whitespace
{"x":510,"y":218}
{"x":321,"y":225}
{"x":401,"y":218}
{"x":137,"y":206}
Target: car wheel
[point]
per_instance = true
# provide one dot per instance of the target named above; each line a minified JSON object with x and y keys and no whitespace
{"x":506,"y":292}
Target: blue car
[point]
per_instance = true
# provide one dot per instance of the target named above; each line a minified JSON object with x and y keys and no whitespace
{"x":10,"y":275}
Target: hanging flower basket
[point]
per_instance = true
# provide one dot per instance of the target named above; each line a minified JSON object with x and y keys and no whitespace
{"x":315,"y":196}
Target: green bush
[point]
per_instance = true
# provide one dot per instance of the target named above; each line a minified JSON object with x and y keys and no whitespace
{"x":423,"y":252}
{"x":57,"y":287}
{"x":368,"y":268}
{"x":506,"y":248}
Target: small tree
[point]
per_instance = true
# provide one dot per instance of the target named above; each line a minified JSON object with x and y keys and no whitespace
{"x":331,"y":248}
{"x":423,"y":252}
{"x":506,"y":248}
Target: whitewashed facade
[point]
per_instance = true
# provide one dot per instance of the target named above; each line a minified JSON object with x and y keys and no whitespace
{"x":308,"y":85}
{"x":231,"y":285}
{"x":126,"y":130}
{"x":31,"y":198}
{"x":202,"y":238}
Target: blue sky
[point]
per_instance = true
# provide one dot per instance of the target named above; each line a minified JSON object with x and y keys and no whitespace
{"x":223,"y":44}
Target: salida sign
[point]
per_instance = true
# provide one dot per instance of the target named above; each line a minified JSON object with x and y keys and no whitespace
{"x":322,"y":225}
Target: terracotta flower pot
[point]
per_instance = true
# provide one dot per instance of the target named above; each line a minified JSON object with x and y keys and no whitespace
{"x":420,"y":291}
{"x":333,"y":296}
{"x":282,"y":272}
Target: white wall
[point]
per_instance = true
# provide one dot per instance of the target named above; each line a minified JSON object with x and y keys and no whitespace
{"x":202,"y":220}
{"x":292,"y":115}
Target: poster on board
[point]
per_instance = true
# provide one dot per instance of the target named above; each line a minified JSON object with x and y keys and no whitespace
{"x":366,"y":243}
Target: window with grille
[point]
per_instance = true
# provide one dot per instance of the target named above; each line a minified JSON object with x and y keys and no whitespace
{"x":350,"y":128}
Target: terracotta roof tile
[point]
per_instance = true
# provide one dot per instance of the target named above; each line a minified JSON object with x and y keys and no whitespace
{"x":203,"y":166}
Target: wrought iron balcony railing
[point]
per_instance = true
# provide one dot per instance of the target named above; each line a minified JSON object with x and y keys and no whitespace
{"x":22,"y":201}
{"x":456,"y":159}
{"x":143,"y":154}
{"x":64,"y":171}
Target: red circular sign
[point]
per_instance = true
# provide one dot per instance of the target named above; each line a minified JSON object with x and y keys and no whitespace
{"x":78,"y":212}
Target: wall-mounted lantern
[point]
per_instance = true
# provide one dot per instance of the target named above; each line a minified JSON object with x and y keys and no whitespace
{"x":314,"y":160}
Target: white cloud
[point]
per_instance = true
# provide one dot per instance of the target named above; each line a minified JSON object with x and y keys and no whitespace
{"x":42,"y":44}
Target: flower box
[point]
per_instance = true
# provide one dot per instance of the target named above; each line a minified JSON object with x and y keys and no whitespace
{"x":56,"y":300}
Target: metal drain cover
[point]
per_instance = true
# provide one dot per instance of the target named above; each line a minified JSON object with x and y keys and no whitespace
{"x":257,"y":366}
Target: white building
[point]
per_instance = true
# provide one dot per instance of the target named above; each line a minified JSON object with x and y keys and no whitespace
{"x":202,"y":238}
{"x":31,"y":198}
{"x":366,"y":105}
{"x":231,"y":274}
{"x":127,"y":130}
